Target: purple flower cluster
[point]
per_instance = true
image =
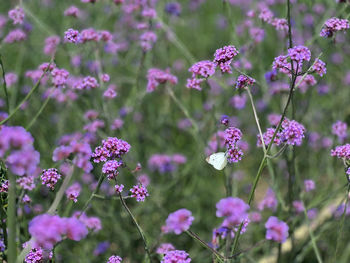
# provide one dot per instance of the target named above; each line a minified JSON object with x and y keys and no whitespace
{"x":232,"y":137}
{"x":319,"y":67}
{"x":178,"y":221}
{"x":79,"y":146}
{"x":72,"y":36}
{"x":110,"y":168}
{"x":269,"y":201}
{"x":178,"y":256}
{"x":73,"y":192}
{"x":156,"y":77}
{"x":164,"y":163}
{"x":111,"y":148}
{"x":47,"y":230}
{"x":15,"y":35}
{"x":342,"y":152}
{"x":267,"y":16}
{"x":16,"y":148}
{"x":139,"y":192}
{"x":59,"y":77}
{"x":244,"y":81}
{"x":114,"y":259}
{"x":233,"y":209}
{"x":223,"y":58}
{"x":339,"y":129}
{"x":276,"y":230}
{"x":200,"y":71}
{"x":147,"y":40}
{"x":291,"y":133}
{"x":50,"y":177}
{"x":16,"y":15}
{"x":334,"y":25}
{"x":165,"y":248}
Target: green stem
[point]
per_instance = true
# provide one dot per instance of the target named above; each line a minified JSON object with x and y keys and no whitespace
{"x":139,"y":229}
{"x":43,"y":106}
{"x":217,"y":254}
{"x":94,"y":193}
{"x":5,"y":85}
{"x":256,"y":118}
{"x":25,"y":98}
{"x":312,"y":236}
{"x":341,"y":227}
{"x":11,"y":219}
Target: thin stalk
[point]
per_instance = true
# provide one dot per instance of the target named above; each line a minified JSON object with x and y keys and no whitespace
{"x":139,"y":229}
{"x":341,"y":227}
{"x":256,"y":118}
{"x":43,"y":106}
{"x":217,"y":254}
{"x":263,"y":161}
{"x":5,"y":85}
{"x":94,"y":193}
{"x":25,"y":98}
{"x":312,"y":236}
{"x":11,"y":219}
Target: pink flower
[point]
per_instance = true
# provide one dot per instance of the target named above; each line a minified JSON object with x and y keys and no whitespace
{"x":276,"y":230}
{"x":179,"y":221}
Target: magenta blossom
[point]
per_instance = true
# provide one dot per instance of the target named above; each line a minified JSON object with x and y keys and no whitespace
{"x":179,"y":221}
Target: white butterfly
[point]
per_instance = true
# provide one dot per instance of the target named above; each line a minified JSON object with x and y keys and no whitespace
{"x":217,"y":160}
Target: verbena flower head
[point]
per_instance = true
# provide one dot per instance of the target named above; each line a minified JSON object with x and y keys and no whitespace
{"x":244,"y":81}
{"x":292,"y":132}
{"x":157,"y":76}
{"x":72,"y":11}
{"x":232,"y":136}
{"x":299,"y":54}
{"x":139,"y":192}
{"x":276,"y":230}
{"x":114,"y":259}
{"x":50,"y":177}
{"x":16,"y":15}
{"x":178,"y":256}
{"x":147,"y":40}
{"x":333,"y":25}
{"x":339,"y":129}
{"x":309,"y":185}
{"x":233,"y":209}
{"x":111,"y":148}
{"x":269,"y":201}
{"x":72,"y":36}
{"x":179,"y":221}
{"x":59,"y":77}
{"x":319,"y":67}
{"x":110,"y":168}
{"x":73,"y":192}
{"x":173,"y":8}
{"x":342,"y":152}
{"x":165,"y":248}
{"x":15,"y":35}
{"x":223,"y":58}
{"x":119,"y":188}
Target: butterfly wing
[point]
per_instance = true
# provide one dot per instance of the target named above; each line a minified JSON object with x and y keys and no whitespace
{"x":217,"y":160}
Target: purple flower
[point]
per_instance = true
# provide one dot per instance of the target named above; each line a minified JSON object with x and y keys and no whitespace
{"x":23,"y":162}
{"x":244,"y":81}
{"x":15,"y":35}
{"x":46,"y":230}
{"x":342,"y":152}
{"x":111,"y":148}
{"x":223,"y":58}
{"x":298,"y":206}
{"x":309,"y":185}
{"x":72,"y":36}
{"x":119,"y":188}
{"x":334,"y":25}
{"x":269,"y":201}
{"x":173,"y":8}
{"x":157,"y":76}
{"x":232,"y":136}
{"x":139,"y":192}
{"x":339,"y":129}
{"x":72,"y":11}
{"x":165,"y":248}
{"x":179,"y":221}
{"x":50,"y":177}
{"x":147,"y":40}
{"x":51,"y":44}
{"x":110,"y":168}
{"x":114,"y":259}
{"x":59,"y":77}
{"x":292,"y":132}
{"x":73,"y":192}
{"x":16,"y":15}
{"x":276,"y":230}
{"x":319,"y":67}
{"x":178,"y":256}
{"x":233,"y":209}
